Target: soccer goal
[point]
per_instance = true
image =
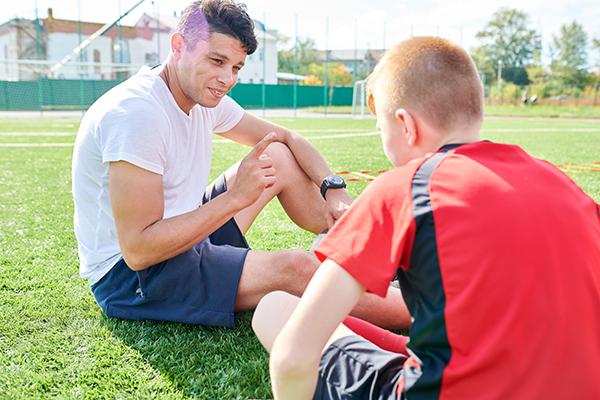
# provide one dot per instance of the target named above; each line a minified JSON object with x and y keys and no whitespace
{"x":359,"y":99}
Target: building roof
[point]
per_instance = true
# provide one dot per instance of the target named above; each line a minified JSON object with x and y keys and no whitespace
{"x":347,"y":55}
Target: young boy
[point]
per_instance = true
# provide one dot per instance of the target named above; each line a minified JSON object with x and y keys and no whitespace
{"x":497,"y":254}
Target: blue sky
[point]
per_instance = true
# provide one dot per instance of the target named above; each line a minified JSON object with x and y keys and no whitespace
{"x":342,"y":23}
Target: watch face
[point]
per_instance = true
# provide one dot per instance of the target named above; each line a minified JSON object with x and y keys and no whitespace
{"x":336,"y":180}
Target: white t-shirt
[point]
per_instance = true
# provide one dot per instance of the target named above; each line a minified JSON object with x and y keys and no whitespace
{"x":139,"y":122}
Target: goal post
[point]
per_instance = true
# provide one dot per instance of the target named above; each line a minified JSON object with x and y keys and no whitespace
{"x":359,"y":99}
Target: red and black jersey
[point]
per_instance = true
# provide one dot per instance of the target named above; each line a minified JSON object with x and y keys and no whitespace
{"x":498,"y":258}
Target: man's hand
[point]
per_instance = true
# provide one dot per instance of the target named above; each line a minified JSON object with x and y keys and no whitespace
{"x":255,"y":173}
{"x":338,"y":201}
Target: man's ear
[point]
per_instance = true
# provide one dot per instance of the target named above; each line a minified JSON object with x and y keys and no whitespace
{"x":410,"y":125}
{"x":177,"y":44}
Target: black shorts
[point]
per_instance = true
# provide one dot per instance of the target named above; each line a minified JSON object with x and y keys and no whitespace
{"x":354,"y":368}
{"x":198,"y":286}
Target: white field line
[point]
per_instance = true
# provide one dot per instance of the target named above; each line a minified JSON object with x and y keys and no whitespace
{"x":320,"y":137}
{"x":38,"y":134}
{"x":36,"y":144}
{"x":216,"y":141}
{"x":67,"y":134}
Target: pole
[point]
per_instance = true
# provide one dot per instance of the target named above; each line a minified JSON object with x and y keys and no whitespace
{"x":120,"y":35}
{"x":264,"y":60}
{"x":295,"y":64}
{"x":38,"y":54}
{"x":158,"y":32}
{"x":499,"y":83}
{"x":383,"y":48}
{"x":80,"y":68}
{"x":326,"y":73}
{"x":354,"y":70}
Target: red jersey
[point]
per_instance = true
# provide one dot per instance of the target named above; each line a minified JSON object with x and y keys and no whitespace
{"x":498,"y":258}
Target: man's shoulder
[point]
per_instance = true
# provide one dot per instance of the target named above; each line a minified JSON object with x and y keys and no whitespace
{"x":139,"y":93}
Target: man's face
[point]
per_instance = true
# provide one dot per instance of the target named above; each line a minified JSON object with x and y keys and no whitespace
{"x":210,"y":70}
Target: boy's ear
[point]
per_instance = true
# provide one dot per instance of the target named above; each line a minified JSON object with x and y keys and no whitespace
{"x":410,"y":125}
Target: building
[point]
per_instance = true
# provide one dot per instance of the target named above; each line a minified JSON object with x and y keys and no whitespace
{"x":29,"y":50}
{"x":364,"y":60}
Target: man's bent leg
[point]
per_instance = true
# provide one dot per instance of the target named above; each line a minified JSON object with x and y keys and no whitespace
{"x":298,"y":195}
{"x":290,"y":271}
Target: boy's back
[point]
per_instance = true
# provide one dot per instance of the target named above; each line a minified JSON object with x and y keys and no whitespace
{"x":505,"y":266}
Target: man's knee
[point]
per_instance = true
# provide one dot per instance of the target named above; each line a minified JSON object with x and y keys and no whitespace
{"x":299,"y":264}
{"x":282,"y":157}
{"x":292,"y":270}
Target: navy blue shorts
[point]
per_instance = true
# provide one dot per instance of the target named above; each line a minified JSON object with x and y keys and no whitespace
{"x":198,"y":286}
{"x":354,"y":368}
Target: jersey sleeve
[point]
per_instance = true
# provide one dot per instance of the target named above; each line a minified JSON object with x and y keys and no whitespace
{"x":228,"y":115}
{"x":375,"y":235}
{"x":137,"y":135}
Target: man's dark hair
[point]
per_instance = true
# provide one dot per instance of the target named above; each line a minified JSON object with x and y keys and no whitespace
{"x":228,"y":17}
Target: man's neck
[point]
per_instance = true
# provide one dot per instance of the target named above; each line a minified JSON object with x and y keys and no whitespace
{"x":168,"y":74}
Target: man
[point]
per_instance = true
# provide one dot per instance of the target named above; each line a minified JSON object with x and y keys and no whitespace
{"x":497,"y":254}
{"x":152,"y":242}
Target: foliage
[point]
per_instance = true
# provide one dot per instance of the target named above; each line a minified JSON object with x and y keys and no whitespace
{"x":507,"y":43}
{"x":337,"y":75}
{"x":297,"y":58}
{"x":569,"y":56}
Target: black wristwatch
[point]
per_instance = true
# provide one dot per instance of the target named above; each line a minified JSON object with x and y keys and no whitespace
{"x":332,"y":182}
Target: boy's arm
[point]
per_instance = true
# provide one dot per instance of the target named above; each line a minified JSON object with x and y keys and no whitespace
{"x":295,"y":355}
{"x":252,"y":129}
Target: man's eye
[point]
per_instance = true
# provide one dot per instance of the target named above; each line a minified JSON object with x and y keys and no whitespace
{"x":217,"y":61}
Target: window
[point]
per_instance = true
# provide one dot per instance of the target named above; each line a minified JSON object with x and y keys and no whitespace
{"x":97,"y":59}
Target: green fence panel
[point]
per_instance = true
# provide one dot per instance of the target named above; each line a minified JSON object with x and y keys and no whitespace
{"x":74,"y":94}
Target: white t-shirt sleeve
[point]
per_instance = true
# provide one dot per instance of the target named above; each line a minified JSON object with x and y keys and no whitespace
{"x":228,"y":114}
{"x":137,"y":136}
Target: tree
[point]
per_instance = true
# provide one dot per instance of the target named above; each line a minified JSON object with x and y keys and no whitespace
{"x":596,"y":45}
{"x":298,"y":57}
{"x":507,"y":43}
{"x":337,"y":75}
{"x":569,"y":56}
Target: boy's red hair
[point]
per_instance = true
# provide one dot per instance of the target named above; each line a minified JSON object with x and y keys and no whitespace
{"x":432,"y":77}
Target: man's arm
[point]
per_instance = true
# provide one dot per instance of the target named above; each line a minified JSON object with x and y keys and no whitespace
{"x":296,"y":352}
{"x":252,"y":129}
{"x":137,"y":202}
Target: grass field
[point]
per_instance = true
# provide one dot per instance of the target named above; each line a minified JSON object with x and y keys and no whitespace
{"x":54,"y":341}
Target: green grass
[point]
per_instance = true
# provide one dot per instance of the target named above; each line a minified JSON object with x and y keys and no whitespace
{"x":55,"y":342}
{"x":506,"y":110}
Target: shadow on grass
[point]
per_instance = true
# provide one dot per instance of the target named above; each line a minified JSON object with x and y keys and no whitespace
{"x":203,"y":362}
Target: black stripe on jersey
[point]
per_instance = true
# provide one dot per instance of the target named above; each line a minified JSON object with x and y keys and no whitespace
{"x":422,"y":288}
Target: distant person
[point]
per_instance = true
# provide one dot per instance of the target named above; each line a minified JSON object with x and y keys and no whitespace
{"x":154,"y":241}
{"x":497,"y":254}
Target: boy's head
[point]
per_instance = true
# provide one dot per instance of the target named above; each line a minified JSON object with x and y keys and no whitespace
{"x":426,"y":92}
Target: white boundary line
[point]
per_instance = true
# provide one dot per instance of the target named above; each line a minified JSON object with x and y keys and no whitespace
{"x":320,"y":137}
{"x":36,"y":145}
{"x":38,"y":134}
{"x":360,"y":131}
